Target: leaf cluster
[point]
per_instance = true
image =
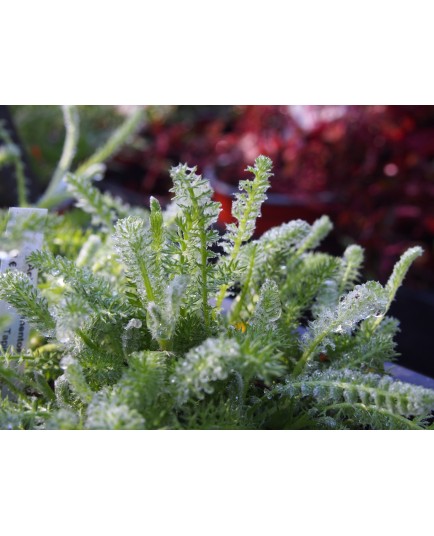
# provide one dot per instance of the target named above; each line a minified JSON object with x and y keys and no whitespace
{"x":133,"y":334}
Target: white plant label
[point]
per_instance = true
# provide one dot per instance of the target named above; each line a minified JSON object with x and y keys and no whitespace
{"x":17,"y":333}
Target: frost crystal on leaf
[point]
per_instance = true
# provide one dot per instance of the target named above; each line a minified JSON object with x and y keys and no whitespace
{"x":202,"y":366}
{"x":365,"y":301}
{"x":268,"y":309}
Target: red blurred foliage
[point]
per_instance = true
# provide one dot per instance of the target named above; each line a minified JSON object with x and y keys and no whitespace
{"x":370,"y":167}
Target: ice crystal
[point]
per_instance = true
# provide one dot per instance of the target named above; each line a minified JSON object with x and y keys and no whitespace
{"x":203,"y":366}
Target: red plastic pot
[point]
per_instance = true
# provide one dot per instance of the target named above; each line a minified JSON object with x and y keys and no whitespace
{"x":277,"y":209}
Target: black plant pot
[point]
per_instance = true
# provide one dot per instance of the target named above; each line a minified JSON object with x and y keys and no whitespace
{"x":415,"y":311}
{"x":407,"y":375}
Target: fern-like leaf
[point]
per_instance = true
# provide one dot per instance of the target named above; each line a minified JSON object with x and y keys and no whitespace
{"x":17,"y":289}
{"x":350,"y":271}
{"x":268,"y":309}
{"x":103,"y":208}
{"x":332,"y":387}
{"x":202,"y":366}
{"x":320,"y":229}
{"x":195,"y":235}
{"x":363,"y":302}
{"x":246,"y":209}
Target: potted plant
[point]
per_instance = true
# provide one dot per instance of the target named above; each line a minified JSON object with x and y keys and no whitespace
{"x":135,"y":335}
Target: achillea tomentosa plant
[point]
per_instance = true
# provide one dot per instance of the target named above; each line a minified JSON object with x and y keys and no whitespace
{"x":136,"y":336}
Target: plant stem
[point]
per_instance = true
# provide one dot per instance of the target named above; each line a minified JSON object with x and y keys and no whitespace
{"x":113,"y":144}
{"x":71,"y":120}
{"x":19,"y":167}
{"x":204,"y":258}
{"x":236,"y":249}
{"x":146,"y":280}
{"x":307,"y":354}
{"x":21,"y":182}
{"x":344,"y":278}
{"x":238,"y":306}
{"x":346,"y":405}
{"x":166,"y":345}
{"x":116,"y":140}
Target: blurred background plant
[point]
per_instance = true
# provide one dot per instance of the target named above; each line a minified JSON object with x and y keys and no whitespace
{"x":371,"y":168}
{"x":42,"y":131}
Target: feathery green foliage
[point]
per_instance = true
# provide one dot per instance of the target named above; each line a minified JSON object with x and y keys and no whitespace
{"x":268,"y":309}
{"x":10,"y":153}
{"x":319,"y":230}
{"x":246,"y":208}
{"x":378,"y":394}
{"x":195,"y":234}
{"x":399,"y":271}
{"x":350,"y":271}
{"x":17,"y":289}
{"x":133,"y":335}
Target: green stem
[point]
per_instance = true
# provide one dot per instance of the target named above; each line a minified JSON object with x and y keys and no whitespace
{"x":236,"y":249}
{"x":19,"y":168}
{"x":399,"y":418}
{"x":242,"y":298}
{"x":21,"y":182}
{"x":344,"y":278}
{"x":71,"y":120}
{"x":307,"y":354}
{"x":221,"y":296}
{"x":116,"y":140}
{"x":146,"y":280}
{"x":204,"y":258}
{"x":166,"y":345}
{"x":204,"y":280}
{"x":54,"y":200}
{"x":50,"y":347}
{"x":113,"y":144}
